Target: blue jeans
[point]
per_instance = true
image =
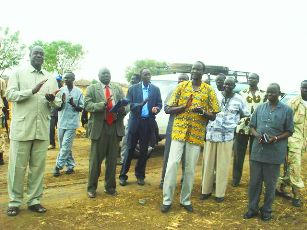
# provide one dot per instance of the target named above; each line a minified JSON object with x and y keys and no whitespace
{"x":65,"y":158}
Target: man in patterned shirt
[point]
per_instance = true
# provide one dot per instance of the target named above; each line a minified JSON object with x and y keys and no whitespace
{"x":195,"y":103}
{"x":254,"y":97}
{"x":297,"y":145}
{"x":220,"y":134}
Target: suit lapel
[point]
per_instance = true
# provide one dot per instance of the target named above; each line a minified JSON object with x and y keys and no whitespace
{"x":140,"y":91}
{"x":114,"y":92}
{"x":100,"y":92}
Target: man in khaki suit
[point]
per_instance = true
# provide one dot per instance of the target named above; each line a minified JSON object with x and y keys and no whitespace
{"x":105,"y":129}
{"x":32,"y":91}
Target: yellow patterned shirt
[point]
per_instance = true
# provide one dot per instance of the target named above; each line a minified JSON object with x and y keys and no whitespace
{"x":298,"y":141}
{"x":189,"y":126}
{"x":252,"y":103}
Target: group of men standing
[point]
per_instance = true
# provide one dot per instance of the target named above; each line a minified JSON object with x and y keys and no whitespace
{"x":197,"y":112}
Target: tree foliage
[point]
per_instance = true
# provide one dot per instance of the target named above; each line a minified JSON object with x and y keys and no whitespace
{"x":61,"y":56}
{"x":155,"y":67}
{"x":11,"y":49}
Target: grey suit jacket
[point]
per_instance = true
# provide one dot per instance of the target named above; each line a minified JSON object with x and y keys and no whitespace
{"x":95,"y":104}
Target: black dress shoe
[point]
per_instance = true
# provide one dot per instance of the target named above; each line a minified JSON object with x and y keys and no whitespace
{"x":250,"y":215}
{"x":205,"y":196}
{"x":188,"y":207}
{"x":140,"y":181}
{"x":235,"y":184}
{"x":219,"y":199}
{"x":37,"y":208}
{"x":70,"y":171}
{"x":266,"y":217}
{"x":283,"y":194}
{"x":296,"y":202}
{"x":91,"y":194}
{"x":165,"y":208}
{"x":56,"y":172}
{"x":111,"y":192}
{"x":122,"y":182}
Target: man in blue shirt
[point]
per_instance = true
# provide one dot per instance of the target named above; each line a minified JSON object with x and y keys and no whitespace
{"x":145,"y":103}
{"x":271,"y":125}
{"x":68,"y":122}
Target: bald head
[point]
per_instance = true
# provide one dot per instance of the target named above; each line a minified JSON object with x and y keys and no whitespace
{"x":104,"y":75}
{"x":183,"y":77}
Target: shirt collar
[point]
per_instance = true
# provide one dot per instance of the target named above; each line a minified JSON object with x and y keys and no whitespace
{"x":104,"y":86}
{"x":33,"y":70}
{"x":143,"y":86}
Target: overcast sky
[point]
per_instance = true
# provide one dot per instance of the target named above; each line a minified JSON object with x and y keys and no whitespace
{"x":266,"y":37}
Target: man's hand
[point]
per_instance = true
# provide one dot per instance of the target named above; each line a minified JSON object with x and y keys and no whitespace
{"x":38,"y":86}
{"x":108,"y":100}
{"x":189,"y":102}
{"x":50,"y":97}
{"x":198,"y":110}
{"x":155,"y":110}
{"x":121,"y":110}
{"x":71,"y":102}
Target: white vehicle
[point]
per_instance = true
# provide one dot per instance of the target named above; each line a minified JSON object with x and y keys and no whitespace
{"x":166,"y":83}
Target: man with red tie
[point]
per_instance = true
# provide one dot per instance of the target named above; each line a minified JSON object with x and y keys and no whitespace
{"x":105,"y":129}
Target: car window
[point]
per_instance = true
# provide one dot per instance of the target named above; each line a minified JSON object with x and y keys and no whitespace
{"x":288,"y":96}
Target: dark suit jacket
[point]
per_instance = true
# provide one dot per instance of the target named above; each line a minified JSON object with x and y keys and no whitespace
{"x":135,"y":96}
{"x":94,"y":103}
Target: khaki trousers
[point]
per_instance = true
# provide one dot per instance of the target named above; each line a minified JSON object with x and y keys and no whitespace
{"x":191,"y":157}
{"x":217,"y":156}
{"x":22,"y":154}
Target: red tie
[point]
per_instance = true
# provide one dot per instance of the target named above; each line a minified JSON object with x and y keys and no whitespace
{"x":109,"y":106}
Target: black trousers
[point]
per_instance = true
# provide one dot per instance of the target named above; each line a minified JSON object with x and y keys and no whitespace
{"x":53,"y":125}
{"x":142,"y":135}
{"x":262,"y":173}
{"x":240,"y":146}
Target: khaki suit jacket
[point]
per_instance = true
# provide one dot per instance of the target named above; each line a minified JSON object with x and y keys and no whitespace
{"x":31,"y":112}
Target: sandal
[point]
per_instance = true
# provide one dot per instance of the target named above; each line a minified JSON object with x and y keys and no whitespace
{"x":13,"y":211}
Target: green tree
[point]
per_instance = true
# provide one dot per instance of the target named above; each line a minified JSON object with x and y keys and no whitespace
{"x":11,"y":50}
{"x":61,"y":56}
{"x":155,"y":67}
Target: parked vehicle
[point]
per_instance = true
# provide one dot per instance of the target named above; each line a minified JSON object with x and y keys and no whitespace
{"x":288,"y":96}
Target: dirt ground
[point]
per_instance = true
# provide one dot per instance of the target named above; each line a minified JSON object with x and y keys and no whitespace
{"x":70,"y":208}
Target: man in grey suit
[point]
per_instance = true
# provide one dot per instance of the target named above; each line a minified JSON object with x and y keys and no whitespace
{"x":105,"y":129}
{"x":32,"y":91}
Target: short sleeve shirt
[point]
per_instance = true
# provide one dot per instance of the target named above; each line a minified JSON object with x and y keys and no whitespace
{"x":189,"y":126}
{"x":273,"y":123}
